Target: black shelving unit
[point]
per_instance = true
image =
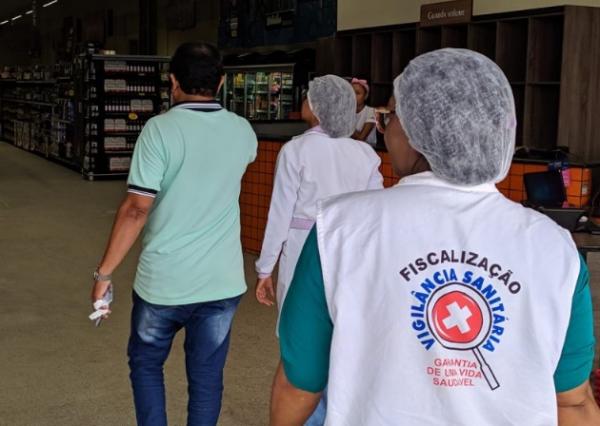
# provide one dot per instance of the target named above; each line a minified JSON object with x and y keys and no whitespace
{"x":63,"y":148}
{"x":29,"y":117}
{"x":117,"y":95}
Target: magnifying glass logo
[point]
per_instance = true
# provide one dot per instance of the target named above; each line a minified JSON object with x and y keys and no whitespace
{"x":460,"y":319}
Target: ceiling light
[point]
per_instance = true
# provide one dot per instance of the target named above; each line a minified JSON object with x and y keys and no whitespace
{"x":50,"y":3}
{"x":17,"y":17}
{"x":4,"y":22}
{"x":29,"y":12}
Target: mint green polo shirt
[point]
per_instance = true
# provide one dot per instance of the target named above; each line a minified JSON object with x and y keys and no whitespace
{"x":306,"y":329}
{"x":191,"y":160}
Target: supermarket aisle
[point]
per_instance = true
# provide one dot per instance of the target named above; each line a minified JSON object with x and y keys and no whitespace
{"x":56,"y":369}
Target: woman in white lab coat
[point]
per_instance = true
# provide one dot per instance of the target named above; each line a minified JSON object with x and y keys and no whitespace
{"x":320,"y":163}
{"x":365,"y":115}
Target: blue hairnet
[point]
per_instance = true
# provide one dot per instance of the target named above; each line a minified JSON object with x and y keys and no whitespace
{"x":457,"y":109}
{"x":333,"y":102}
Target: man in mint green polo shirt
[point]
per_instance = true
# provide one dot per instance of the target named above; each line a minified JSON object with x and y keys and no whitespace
{"x":184,"y":187}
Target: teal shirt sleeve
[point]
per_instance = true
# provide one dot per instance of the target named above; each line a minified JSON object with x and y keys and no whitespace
{"x":148,"y":163}
{"x":575,"y":364}
{"x":305,"y":327}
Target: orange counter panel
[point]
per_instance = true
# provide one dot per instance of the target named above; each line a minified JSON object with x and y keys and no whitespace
{"x":257,"y":186}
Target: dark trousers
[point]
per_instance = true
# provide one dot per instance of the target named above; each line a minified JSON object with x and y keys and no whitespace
{"x":207,"y":330}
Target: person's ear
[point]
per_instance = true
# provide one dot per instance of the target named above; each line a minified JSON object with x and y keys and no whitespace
{"x":221,"y":83}
{"x":174,"y":82}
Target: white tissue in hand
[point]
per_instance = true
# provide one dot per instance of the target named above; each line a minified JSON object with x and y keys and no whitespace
{"x":101,"y":305}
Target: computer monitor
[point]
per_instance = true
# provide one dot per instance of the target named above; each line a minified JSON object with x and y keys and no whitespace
{"x":546,"y":189}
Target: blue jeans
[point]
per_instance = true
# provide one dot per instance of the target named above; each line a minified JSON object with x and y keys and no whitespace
{"x":207,"y":330}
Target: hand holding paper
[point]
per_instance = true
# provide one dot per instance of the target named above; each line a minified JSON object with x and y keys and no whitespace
{"x":102,"y":306}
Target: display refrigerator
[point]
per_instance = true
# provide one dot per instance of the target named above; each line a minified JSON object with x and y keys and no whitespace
{"x":261,"y":92}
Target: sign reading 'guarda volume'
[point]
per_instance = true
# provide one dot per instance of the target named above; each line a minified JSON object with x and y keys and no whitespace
{"x":450,"y":12}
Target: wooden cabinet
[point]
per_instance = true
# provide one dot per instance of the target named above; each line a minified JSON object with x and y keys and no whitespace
{"x":579,"y":118}
{"x":551,"y":58}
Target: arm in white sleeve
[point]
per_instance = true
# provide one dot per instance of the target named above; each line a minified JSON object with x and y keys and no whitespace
{"x":283,"y":200}
{"x":371,"y":118}
{"x":376,"y":179}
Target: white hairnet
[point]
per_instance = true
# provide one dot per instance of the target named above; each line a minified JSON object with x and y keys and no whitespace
{"x":333,"y":102}
{"x":457,"y":109}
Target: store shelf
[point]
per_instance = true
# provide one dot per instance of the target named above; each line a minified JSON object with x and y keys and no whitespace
{"x":127,"y":133}
{"x":153,"y":75}
{"x":125,"y":114}
{"x":113,"y":160}
{"x":66,"y":162}
{"x":26,"y":102}
{"x":93,"y":176}
{"x":68,"y":128}
{"x":38,"y":82}
{"x":118,"y":151}
{"x":131,"y":94}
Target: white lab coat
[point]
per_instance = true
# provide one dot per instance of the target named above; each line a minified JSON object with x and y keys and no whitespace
{"x":364,"y":117}
{"x":310,"y":167}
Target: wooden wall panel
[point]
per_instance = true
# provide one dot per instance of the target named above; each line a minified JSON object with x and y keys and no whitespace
{"x":580,"y":84}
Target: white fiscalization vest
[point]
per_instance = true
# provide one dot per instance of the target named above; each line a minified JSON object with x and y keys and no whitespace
{"x":450,"y":306}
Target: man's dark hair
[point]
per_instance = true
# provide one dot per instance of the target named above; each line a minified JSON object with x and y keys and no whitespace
{"x":198,"y":67}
